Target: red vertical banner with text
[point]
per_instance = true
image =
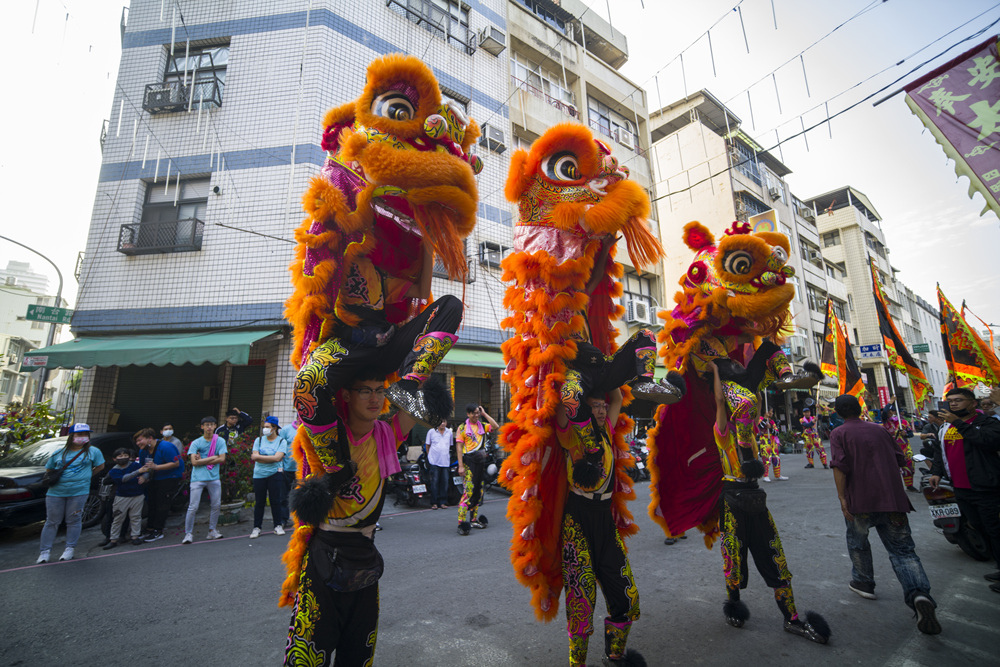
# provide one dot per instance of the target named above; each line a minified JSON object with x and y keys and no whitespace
{"x":883,"y":396}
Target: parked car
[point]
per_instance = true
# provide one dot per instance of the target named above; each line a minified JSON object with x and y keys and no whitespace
{"x":22,"y":499}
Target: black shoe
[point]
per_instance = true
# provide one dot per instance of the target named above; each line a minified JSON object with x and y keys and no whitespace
{"x":464,"y":528}
{"x":670,"y":540}
{"x":137,"y":541}
{"x":736,"y":613}
{"x":110,"y":545}
{"x":152,"y":537}
{"x":927,"y":621}
{"x":866,"y":591}
{"x":912,"y":489}
{"x":809,"y":465}
{"x":826,"y":467}
{"x":992,"y":576}
{"x":480,"y":522}
{"x":104,"y":542}
{"x":804,"y":629}
{"x":661,"y":393}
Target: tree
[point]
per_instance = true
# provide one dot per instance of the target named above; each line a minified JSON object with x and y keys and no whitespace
{"x":25,"y":425}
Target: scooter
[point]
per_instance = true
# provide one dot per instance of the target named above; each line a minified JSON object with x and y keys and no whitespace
{"x":640,"y":454}
{"x":409,"y":485}
{"x":948,"y":516}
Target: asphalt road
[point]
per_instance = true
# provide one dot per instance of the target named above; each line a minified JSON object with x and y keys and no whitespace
{"x":452,"y":600}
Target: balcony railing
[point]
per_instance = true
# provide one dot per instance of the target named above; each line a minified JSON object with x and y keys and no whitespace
{"x":566,"y":108}
{"x":148,"y":238}
{"x":175,"y":95}
{"x":438,"y":21}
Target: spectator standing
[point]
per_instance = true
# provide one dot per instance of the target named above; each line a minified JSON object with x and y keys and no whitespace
{"x":130,"y":494}
{"x":167,"y":435}
{"x":289,"y":467}
{"x":929,"y":434}
{"x":164,"y":461}
{"x":235,"y":423}
{"x":206,"y":454}
{"x":78,"y":462}
{"x":968,"y":455}
{"x":439,"y":441}
{"x":268,"y":480}
{"x":866,"y":462}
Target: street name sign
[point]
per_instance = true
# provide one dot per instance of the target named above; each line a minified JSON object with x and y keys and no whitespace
{"x":921,"y":347}
{"x":49,"y":314}
{"x":871,"y":351}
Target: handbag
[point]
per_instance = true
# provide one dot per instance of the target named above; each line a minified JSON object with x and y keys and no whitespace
{"x":751,"y":501}
{"x":51,"y":476}
{"x":353,"y":563}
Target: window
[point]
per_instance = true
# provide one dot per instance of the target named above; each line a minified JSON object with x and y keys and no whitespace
{"x":37,"y":325}
{"x":195,"y":78}
{"x":5,"y":383}
{"x":600,"y":116}
{"x":836,"y":271}
{"x":838,"y":309}
{"x":795,"y":283}
{"x":818,"y":345}
{"x":448,"y":19}
{"x":637,"y":285}
{"x":172,"y":220}
{"x":810,"y":253}
{"x":745,"y":161}
{"x":774,"y":183}
{"x":747,"y":206}
{"x":544,"y":14}
{"x":831,"y":238}
{"x":535,"y":79}
{"x":440,"y":272}
{"x":817,"y":299}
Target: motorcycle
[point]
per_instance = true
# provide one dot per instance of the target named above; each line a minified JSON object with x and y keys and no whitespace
{"x":948,"y":516}
{"x":640,"y":454}
{"x":409,"y":485}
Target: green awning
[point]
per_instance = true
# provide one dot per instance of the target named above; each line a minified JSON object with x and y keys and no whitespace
{"x":466,"y":357}
{"x":146,"y":349}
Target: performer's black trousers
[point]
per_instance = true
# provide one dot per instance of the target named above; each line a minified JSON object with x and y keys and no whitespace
{"x":599,"y":374}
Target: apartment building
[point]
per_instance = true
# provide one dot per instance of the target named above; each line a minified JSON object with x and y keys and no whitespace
{"x":213,"y":134}
{"x":707,"y":169}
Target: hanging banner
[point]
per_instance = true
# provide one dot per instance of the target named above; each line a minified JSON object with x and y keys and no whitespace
{"x":959,"y":103}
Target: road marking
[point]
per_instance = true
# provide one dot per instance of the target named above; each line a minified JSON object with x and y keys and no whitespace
{"x":982,"y":627}
{"x":963,"y":649}
{"x":969,"y":598}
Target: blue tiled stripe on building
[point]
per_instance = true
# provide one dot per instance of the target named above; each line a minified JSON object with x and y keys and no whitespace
{"x":192,"y":318}
{"x":324,"y":17}
{"x":256,"y":158}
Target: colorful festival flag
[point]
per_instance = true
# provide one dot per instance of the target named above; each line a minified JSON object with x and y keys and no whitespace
{"x":895,"y":347}
{"x":969,"y":359}
{"x":959,"y":103}
{"x":838,"y":360}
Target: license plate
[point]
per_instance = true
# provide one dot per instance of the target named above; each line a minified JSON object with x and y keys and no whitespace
{"x":640,"y":465}
{"x":945,"y":511}
{"x":420,"y":488}
{"x":457,"y":480}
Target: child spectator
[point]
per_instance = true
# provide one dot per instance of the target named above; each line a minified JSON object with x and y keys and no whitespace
{"x":207,"y":454}
{"x":130,"y":494}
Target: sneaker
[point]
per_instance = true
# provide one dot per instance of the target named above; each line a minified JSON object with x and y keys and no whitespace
{"x":136,"y":541}
{"x":783,"y":478}
{"x":255,"y":533}
{"x":213,"y":535}
{"x":809,"y":465}
{"x":766,"y":478}
{"x":43,"y":557}
{"x":669,"y":540}
{"x":67,"y":554}
{"x":152,"y":537}
{"x":826,"y":467}
{"x":278,"y":530}
{"x":111,"y":544}
{"x":867,"y":591}
{"x":927,"y":621}
{"x":378,"y":526}
{"x":992,"y":576}
{"x":188,"y":538}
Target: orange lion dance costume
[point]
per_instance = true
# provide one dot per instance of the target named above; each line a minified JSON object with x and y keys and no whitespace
{"x":398,"y":188}
{"x":734,"y":298}
{"x":568,"y":482}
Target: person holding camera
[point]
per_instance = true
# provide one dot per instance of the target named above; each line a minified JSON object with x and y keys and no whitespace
{"x":470,"y":440}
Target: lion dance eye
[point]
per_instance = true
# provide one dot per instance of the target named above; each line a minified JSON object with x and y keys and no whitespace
{"x":393,"y":105}
{"x":737,"y":262}
{"x":780,"y":254}
{"x":561,"y":167}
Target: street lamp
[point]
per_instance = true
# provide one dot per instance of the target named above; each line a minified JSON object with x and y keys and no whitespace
{"x":52,"y":327}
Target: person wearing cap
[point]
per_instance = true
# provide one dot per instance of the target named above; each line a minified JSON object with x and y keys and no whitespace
{"x":234,"y":424}
{"x":268,"y":481}
{"x":77,"y":462}
{"x":166,"y":464}
{"x":206,"y":454}
{"x":866,"y":462}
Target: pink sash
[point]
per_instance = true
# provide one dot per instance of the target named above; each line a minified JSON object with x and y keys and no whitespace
{"x":211,"y":451}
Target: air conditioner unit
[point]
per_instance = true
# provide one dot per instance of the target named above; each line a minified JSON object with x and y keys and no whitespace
{"x":158,"y":97}
{"x":808,"y":214}
{"x":814,"y":256}
{"x":798,"y":349}
{"x":625,"y":138}
{"x":638,"y":312}
{"x":492,"y":40}
{"x":773,"y":193}
{"x":492,"y":139}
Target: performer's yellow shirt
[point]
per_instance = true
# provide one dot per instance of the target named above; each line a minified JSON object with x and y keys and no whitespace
{"x":366,"y":291}
{"x":577,"y":439}
{"x":470,"y":437}
{"x":359,"y":502}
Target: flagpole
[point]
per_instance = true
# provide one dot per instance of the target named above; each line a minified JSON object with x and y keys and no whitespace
{"x":892,"y":388}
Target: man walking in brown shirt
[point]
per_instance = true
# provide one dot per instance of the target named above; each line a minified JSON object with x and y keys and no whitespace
{"x":866,"y":463}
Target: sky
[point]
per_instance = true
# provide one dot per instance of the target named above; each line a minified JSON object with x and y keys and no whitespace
{"x":67,"y":54}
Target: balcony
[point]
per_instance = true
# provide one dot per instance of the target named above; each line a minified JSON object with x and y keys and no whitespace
{"x":175,"y":95}
{"x":567,"y":109}
{"x":451,"y":25}
{"x":149,"y":238}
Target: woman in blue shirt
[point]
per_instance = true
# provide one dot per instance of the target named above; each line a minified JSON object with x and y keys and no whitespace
{"x":64,"y":501}
{"x":268,"y":481}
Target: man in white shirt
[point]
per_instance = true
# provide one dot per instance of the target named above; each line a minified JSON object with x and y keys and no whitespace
{"x":439,"y":441}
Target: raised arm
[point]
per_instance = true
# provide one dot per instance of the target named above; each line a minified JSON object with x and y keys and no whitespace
{"x":615,"y":400}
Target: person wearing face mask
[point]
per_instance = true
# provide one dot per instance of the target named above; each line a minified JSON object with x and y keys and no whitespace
{"x":969,"y":456}
{"x":268,"y":481}
{"x":207,"y":454}
{"x":77,"y":462}
{"x":167,"y":433}
{"x":130,"y":494}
